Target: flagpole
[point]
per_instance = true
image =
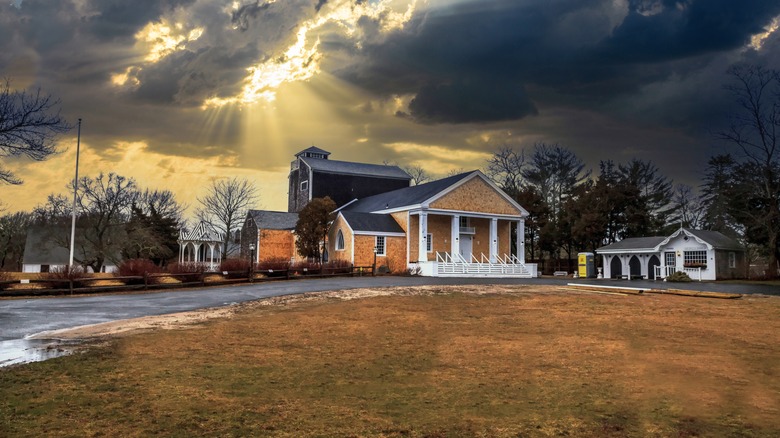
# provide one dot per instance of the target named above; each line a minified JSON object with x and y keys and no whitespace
{"x":75,"y":191}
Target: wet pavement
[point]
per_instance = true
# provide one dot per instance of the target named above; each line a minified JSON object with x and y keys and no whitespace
{"x":22,"y":318}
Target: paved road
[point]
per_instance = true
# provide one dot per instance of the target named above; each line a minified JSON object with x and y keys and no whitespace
{"x":23,"y":317}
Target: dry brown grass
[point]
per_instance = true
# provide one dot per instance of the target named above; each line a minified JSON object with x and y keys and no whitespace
{"x":488,"y":361}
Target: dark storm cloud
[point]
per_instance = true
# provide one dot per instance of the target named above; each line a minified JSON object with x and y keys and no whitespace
{"x":567,"y":52}
{"x":464,"y":102}
{"x":190,"y":77}
{"x":686,"y":29}
{"x":248,"y":13}
{"x":123,"y":19}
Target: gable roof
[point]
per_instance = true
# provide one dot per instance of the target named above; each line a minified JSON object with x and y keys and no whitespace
{"x":313,"y":150}
{"x":350,"y":168}
{"x":274,"y":220}
{"x":408,"y":197}
{"x":634,"y":244}
{"x":713,"y":240}
{"x":370,"y":222}
{"x":203,"y":232}
{"x":41,"y":246}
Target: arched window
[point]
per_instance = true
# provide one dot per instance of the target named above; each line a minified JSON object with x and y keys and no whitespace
{"x":340,"y":241}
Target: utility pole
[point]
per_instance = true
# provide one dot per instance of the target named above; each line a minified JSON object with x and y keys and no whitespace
{"x":75,"y":192}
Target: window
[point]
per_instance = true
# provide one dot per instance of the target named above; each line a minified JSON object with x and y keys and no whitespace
{"x":380,"y":245}
{"x":671,"y":259}
{"x":732,"y":260}
{"x":340,"y":241}
{"x":304,"y":185}
{"x":464,"y":222}
{"x":695,"y":259}
{"x":429,"y":243}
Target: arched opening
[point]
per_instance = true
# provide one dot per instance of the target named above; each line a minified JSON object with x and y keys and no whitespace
{"x":615,"y":267}
{"x":651,"y":264}
{"x":635,"y":267}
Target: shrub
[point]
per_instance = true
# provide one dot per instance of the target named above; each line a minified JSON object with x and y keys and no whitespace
{"x":65,"y":273}
{"x":186,"y":268}
{"x":195,"y":270}
{"x":338,"y":267}
{"x":306,"y":267}
{"x":235,"y":265}
{"x":137,"y":268}
{"x":277,"y":264}
{"x":679,"y":277}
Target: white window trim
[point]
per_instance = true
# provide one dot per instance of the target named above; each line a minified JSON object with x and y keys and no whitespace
{"x":384,"y":245}
{"x":732,"y":260}
{"x":429,"y":243}
{"x":340,"y":244}
{"x":305,"y":185}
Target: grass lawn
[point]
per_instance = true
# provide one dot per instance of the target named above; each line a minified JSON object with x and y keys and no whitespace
{"x":436,"y":362}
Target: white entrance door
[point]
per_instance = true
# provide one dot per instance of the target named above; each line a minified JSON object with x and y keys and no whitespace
{"x":465,"y":246}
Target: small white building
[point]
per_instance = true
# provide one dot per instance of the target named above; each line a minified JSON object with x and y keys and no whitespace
{"x":42,"y":252}
{"x":202,"y":245}
{"x":703,"y":255}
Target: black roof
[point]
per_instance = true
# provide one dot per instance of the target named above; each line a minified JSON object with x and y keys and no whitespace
{"x":634,"y":243}
{"x":407,"y":196}
{"x":717,"y":239}
{"x":43,"y":246}
{"x":714,"y":238}
{"x":274,"y":220}
{"x":369,"y":222}
{"x":349,"y":168}
{"x":314,"y":150}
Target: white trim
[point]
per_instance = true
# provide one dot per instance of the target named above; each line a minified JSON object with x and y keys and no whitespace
{"x":429,"y":242}
{"x":384,"y":246}
{"x":465,"y":213}
{"x":687,"y":233}
{"x":379,"y":233}
{"x":339,"y":233}
{"x":474,"y":174}
{"x":340,"y":208}
{"x":407,"y":235}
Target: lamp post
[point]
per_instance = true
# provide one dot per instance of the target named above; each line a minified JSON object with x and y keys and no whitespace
{"x":373,"y":268}
{"x":251,"y":262}
{"x":75,"y":192}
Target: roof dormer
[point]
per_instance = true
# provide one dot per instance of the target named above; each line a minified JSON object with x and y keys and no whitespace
{"x":313,"y":152}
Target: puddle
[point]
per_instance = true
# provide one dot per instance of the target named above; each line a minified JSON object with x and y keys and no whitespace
{"x":18,"y":351}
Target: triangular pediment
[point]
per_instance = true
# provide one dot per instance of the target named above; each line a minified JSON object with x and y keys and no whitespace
{"x":476,"y":194}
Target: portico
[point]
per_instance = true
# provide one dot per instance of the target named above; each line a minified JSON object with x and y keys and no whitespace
{"x":462,"y":225}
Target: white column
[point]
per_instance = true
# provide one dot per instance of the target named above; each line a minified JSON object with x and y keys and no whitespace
{"x":211,"y":256}
{"x":455,"y":237}
{"x":422,"y":255}
{"x":493,"y":239}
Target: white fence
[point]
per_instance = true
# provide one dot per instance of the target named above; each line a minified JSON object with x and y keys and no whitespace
{"x":665,"y":271}
{"x":505,"y":266}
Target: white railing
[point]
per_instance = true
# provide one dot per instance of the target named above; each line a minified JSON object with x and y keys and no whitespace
{"x":468,"y":230}
{"x":665,"y":271}
{"x":504,"y":266}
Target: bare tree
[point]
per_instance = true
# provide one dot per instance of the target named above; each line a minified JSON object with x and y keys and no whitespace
{"x":755,"y":130}
{"x":506,"y":167}
{"x":225,"y":205}
{"x":103,"y":207}
{"x":687,"y":207}
{"x":29,"y":124}
{"x":418,"y":174}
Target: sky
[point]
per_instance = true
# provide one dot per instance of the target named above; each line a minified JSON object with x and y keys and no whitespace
{"x":178,"y":93}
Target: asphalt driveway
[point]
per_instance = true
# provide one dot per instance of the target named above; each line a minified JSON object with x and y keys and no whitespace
{"x":20,"y":318}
